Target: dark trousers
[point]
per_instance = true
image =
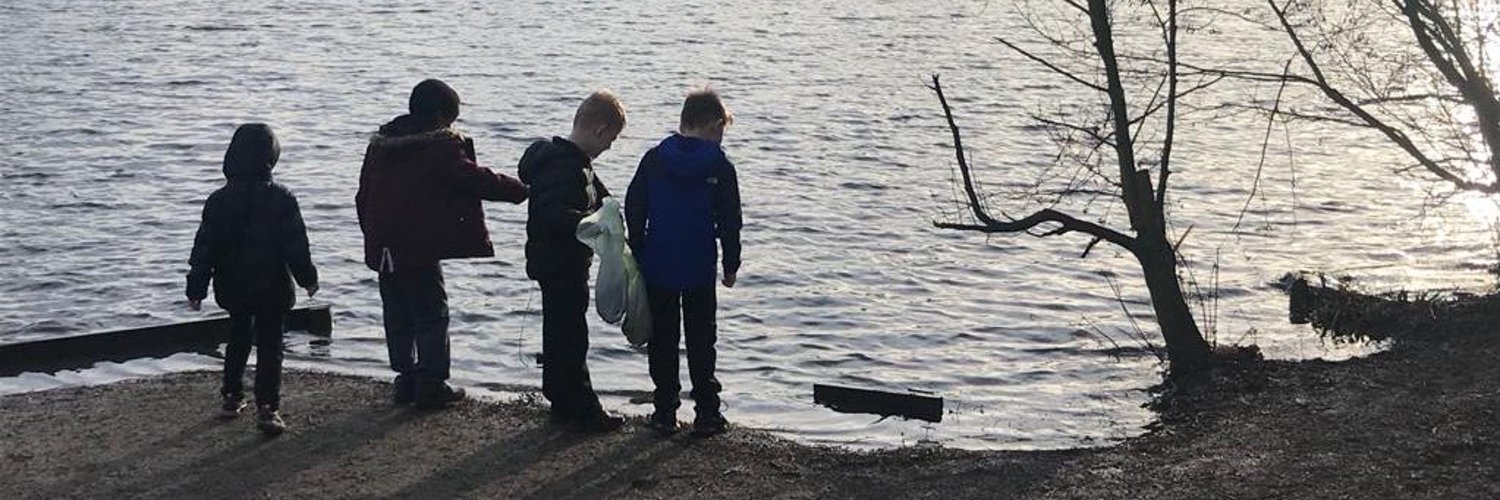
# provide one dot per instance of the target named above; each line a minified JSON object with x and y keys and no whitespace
{"x":415,"y":307}
{"x":565,"y":346}
{"x":263,"y":329}
{"x":672,"y":311}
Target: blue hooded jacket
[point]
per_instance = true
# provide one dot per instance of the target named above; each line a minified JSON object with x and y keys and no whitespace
{"x":683,"y":197}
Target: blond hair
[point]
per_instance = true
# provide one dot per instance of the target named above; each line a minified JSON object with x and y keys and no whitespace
{"x":601,"y":108}
{"x":703,"y":108}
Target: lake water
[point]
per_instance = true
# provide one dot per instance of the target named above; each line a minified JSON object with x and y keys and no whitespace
{"x":120,"y":112}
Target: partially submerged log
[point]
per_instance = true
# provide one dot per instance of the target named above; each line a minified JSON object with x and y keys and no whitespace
{"x":851,"y":400}
{"x":1337,"y":310}
{"x":81,"y":351}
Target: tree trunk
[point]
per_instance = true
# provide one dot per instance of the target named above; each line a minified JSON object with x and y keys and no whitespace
{"x":1187,"y":352}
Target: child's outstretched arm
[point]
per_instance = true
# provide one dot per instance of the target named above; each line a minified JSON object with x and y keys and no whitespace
{"x":728,"y":221}
{"x":466,"y":176}
{"x":295,"y":249}
{"x":202,"y":260}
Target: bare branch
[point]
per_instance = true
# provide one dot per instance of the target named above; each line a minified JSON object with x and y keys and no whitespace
{"x":1469,"y":81}
{"x":1411,"y":98}
{"x":1049,"y":65}
{"x":963,"y":163}
{"x":1067,"y":224}
{"x":1166,"y":149}
{"x":1090,"y":247}
{"x":1079,"y":6}
{"x":1299,"y":115}
{"x":1391,"y":133}
{"x":1092,"y":132}
{"x":1177,"y":247}
{"x":1265,"y":144}
{"x":1082,"y":191}
{"x":1157,"y":107}
{"x":1190,"y":69}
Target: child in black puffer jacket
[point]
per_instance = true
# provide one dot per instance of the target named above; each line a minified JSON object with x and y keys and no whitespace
{"x":252,"y":244}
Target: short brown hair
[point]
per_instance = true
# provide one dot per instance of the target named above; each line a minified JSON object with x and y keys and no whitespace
{"x":602,"y":107}
{"x":703,"y":108}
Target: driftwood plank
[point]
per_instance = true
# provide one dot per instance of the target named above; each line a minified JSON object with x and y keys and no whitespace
{"x":80,"y":351}
{"x":851,"y":400}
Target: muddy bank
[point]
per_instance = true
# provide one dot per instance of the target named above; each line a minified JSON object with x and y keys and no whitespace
{"x":1419,"y":421}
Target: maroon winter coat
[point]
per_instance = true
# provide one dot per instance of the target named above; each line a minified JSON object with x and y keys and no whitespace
{"x":419,"y":197}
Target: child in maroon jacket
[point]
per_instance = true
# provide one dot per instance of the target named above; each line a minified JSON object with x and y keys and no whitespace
{"x":419,"y":203}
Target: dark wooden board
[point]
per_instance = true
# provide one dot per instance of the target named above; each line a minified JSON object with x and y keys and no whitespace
{"x":851,"y":400}
{"x":80,"y":351}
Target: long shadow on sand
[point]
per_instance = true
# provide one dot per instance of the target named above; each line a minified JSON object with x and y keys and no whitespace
{"x":613,"y":471}
{"x":82,"y":478}
{"x":497,"y":461}
{"x":508,"y":458}
{"x":243,"y":468}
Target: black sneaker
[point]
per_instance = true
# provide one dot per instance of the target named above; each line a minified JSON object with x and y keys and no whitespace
{"x":440,"y":396}
{"x":268,"y":420}
{"x":599,"y":422}
{"x":709,"y":425}
{"x":663,"y":423}
{"x":405,"y":390}
{"x":232,"y":405}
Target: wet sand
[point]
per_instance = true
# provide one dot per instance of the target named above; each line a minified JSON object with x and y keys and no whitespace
{"x":1419,"y":421}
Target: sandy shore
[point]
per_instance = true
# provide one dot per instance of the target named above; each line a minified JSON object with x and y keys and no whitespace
{"x":1419,"y":421}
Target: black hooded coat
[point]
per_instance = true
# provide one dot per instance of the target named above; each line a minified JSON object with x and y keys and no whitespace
{"x":564,"y":190}
{"x":252,"y":242}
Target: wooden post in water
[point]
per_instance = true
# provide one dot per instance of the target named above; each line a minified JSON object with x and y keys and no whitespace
{"x":1301,"y":302}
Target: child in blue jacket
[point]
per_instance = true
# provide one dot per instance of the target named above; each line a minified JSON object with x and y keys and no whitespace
{"x":684,"y":196}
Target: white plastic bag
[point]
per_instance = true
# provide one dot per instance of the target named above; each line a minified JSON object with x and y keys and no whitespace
{"x":604,"y":231}
{"x":619,"y":292}
{"x":637,"y":326}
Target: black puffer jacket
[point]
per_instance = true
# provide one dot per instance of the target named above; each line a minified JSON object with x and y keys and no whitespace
{"x":252,"y":241}
{"x":563,"y":191}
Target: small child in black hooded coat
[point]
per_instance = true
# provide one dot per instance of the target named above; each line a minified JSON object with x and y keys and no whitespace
{"x":252,"y":244}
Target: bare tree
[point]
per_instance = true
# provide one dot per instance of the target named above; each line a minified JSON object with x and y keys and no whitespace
{"x":1088,"y":139}
{"x":1417,"y":71}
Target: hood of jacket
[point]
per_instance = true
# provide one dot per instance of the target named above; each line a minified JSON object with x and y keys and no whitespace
{"x":409,"y":130}
{"x":543,"y":152}
{"x":689,"y":158}
{"x":252,"y":153}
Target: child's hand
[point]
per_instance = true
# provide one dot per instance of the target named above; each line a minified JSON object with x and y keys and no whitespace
{"x":729,"y":279}
{"x":195,"y":305}
{"x":312,"y":290}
